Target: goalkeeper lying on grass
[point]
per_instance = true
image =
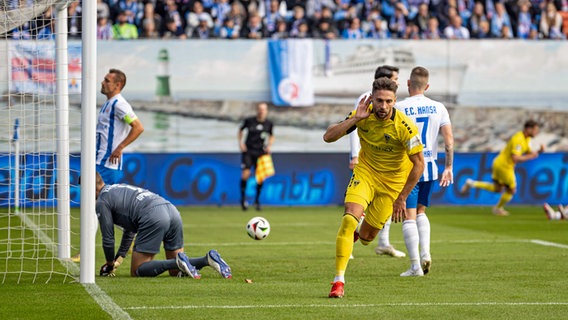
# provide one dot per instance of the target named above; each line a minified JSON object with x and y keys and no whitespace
{"x":153,"y":220}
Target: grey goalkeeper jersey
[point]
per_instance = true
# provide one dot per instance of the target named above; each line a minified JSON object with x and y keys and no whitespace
{"x":125,"y":206}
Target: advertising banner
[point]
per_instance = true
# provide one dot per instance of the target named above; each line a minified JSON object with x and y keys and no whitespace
{"x":32,"y":67}
{"x":301,"y":179}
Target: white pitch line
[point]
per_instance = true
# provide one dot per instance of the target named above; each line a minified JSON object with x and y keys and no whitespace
{"x":303,"y":243}
{"x":373,"y":305}
{"x":100,"y":297}
{"x":549,"y":244}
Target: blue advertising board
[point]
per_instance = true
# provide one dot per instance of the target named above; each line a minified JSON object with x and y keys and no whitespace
{"x":302,"y":179}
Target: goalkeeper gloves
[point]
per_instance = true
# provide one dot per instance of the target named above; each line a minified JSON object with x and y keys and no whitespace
{"x":108,"y":270}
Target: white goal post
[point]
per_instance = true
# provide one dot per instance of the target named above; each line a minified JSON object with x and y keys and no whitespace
{"x":41,"y":134}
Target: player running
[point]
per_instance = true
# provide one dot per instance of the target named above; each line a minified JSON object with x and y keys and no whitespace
{"x":390,"y":164}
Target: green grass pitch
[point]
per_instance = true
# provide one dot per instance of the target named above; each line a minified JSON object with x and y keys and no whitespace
{"x":484,"y":267}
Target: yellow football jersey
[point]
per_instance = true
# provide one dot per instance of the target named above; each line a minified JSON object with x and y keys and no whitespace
{"x":518,"y":144}
{"x":386,"y":144}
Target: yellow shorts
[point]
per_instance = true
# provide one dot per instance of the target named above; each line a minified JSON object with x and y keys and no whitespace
{"x":505,"y":175}
{"x":375,"y":192}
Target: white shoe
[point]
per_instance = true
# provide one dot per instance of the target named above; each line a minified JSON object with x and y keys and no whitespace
{"x":351,"y":257}
{"x":412,"y":273}
{"x":468,"y":185}
{"x":500,"y":211}
{"x":390,"y":251}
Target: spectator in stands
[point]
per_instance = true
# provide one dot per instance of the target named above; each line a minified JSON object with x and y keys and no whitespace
{"x":551,"y":23}
{"x":229,"y":30}
{"x":74,"y":24}
{"x":219,"y":12}
{"x":103,"y":9}
{"x":151,"y":22}
{"x":194,"y":16}
{"x":104,"y":29}
{"x":524,"y":19}
{"x":271,"y":17}
{"x":484,"y":31}
{"x":414,"y":7}
{"x":22,"y":32}
{"x":500,"y":19}
{"x":412,"y":31}
{"x":203,"y":31}
{"x":379,"y":30}
{"x":397,"y":22}
{"x":422,"y":17}
{"x":48,"y":31}
{"x":173,"y":30}
{"x":433,"y":31}
{"x":314,"y":8}
{"x":325,"y":30}
{"x":134,"y":11}
{"x":388,"y":7}
{"x":464,"y":9}
{"x":174,"y":24}
{"x":344,"y":16}
{"x":253,"y":28}
{"x":303,"y":31}
{"x":506,"y":32}
{"x":354,"y":30}
{"x":455,"y":30}
{"x":298,"y":17}
{"x":281,"y":30}
{"x":477,"y":17}
{"x":238,"y":14}
{"x":122,"y":30}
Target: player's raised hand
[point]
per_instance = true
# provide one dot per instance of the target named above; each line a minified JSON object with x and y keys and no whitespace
{"x":363,"y":109}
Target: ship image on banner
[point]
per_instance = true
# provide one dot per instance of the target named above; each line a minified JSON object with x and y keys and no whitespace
{"x":290,"y":72}
{"x":348,"y":75}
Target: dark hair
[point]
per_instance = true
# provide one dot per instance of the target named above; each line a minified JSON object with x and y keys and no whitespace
{"x":120,"y":77}
{"x":385,"y":71}
{"x":384,"y":84}
{"x":531,"y":124}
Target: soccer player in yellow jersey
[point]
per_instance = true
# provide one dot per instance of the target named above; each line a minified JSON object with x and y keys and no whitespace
{"x":503,"y":170}
{"x":390,"y":164}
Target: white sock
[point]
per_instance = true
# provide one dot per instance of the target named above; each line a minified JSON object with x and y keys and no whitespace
{"x":410,"y":233}
{"x":339,"y":278}
{"x":423,"y":225}
{"x":383,"y":238}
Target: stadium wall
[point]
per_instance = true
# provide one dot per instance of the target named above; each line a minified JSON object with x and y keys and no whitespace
{"x":509,"y":73}
{"x":302,"y":179}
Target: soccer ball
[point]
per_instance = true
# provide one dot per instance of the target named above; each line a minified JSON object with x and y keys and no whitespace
{"x":258,"y":228}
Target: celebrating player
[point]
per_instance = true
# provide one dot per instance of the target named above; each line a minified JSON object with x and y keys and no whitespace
{"x":390,"y":164}
{"x":153,"y":220}
{"x":431,"y":117}
{"x":383,"y":240}
{"x":503,"y":170}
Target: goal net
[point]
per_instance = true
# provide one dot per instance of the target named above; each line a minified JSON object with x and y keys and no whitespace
{"x":40,"y":136}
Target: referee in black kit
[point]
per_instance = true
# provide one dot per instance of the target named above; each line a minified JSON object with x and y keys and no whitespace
{"x":259,"y":140}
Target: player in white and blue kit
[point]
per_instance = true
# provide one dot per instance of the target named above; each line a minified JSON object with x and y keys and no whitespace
{"x":117,"y":127}
{"x":432,"y":118}
{"x":153,"y":220}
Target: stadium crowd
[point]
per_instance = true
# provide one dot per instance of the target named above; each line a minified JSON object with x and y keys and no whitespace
{"x":320,"y":19}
